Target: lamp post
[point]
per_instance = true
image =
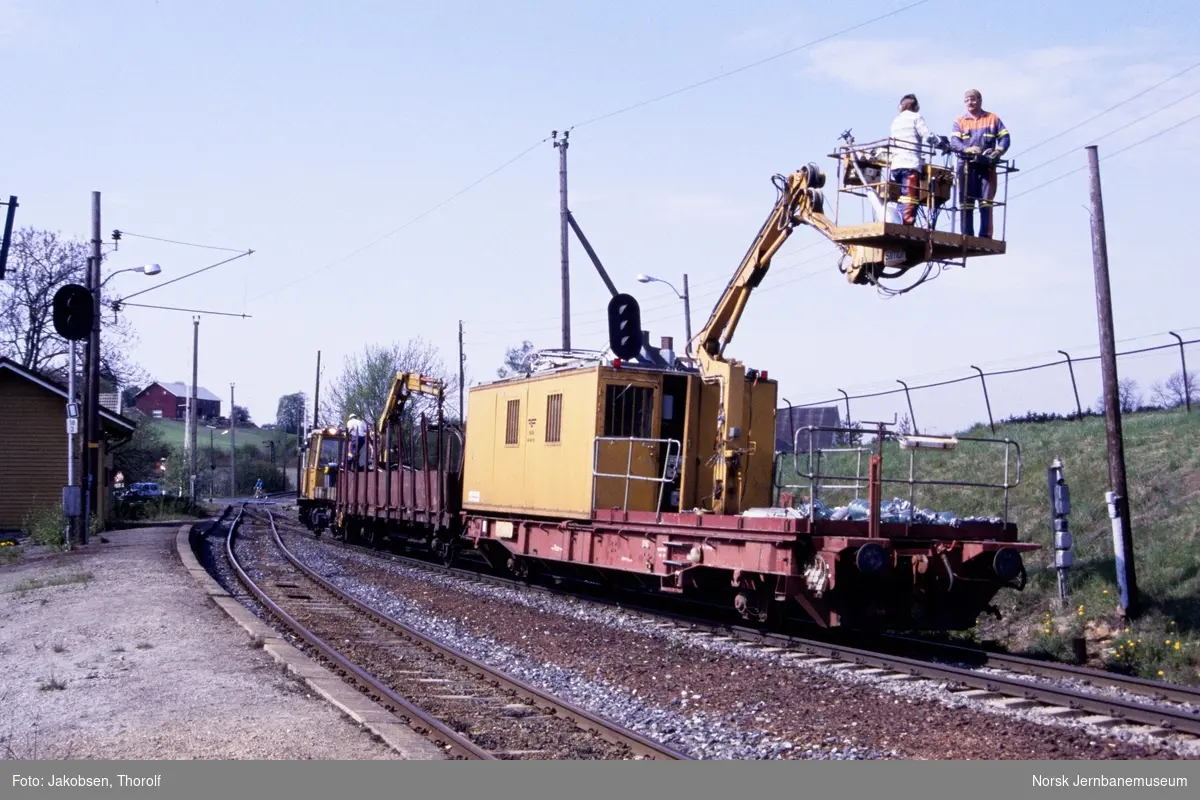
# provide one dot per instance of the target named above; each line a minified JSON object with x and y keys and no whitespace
{"x":91,"y":464}
{"x":687,"y":307}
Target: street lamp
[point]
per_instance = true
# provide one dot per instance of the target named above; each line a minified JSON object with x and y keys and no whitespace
{"x":91,"y":423}
{"x":145,"y":269}
{"x":687,"y":308}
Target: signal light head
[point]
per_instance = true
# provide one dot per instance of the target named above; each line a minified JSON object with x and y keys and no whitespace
{"x":616,"y":363}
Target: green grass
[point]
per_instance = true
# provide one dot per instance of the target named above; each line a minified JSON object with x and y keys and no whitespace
{"x":173,"y":430}
{"x":1162,"y":459}
{"x":62,"y":579}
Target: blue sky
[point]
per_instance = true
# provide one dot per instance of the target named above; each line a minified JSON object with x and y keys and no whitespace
{"x":307,"y":131}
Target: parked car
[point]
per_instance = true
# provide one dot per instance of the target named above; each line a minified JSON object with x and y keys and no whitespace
{"x":144,"y":491}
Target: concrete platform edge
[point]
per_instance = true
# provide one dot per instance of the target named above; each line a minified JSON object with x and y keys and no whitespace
{"x":378,"y":720}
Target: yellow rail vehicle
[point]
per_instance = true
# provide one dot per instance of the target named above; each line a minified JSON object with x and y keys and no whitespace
{"x":319,"y":477}
{"x":613,"y":437}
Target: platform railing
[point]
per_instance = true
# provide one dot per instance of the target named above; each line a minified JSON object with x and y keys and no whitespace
{"x":1012,"y":472}
{"x":864,"y":170}
{"x":671,"y":445}
{"x":859,"y":480}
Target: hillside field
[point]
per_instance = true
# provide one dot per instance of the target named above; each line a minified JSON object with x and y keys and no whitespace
{"x":1162,"y":459}
{"x":172,"y":431}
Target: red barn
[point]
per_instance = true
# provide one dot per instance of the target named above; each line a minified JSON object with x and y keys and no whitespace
{"x":169,"y":401}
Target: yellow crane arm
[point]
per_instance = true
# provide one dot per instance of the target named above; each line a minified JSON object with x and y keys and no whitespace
{"x":405,"y":384}
{"x":799,"y":201}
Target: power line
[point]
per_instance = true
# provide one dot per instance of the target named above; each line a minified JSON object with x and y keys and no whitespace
{"x":412,"y":221}
{"x":188,"y":275}
{"x":1114,"y":107}
{"x":672,"y":302}
{"x":745,"y":67}
{"x":610,"y":114}
{"x":1106,"y":157}
{"x":173,"y":241}
{"x":1142,"y":118}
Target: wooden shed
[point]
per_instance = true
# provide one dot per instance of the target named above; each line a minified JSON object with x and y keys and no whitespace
{"x":33,"y":444}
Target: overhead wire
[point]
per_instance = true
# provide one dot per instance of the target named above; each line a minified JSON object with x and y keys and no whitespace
{"x":1112,"y":108}
{"x":410,"y":222}
{"x":1026,"y":170}
{"x":591,"y":121}
{"x":752,"y":65}
{"x":1107,"y":156}
{"x":174,"y":241}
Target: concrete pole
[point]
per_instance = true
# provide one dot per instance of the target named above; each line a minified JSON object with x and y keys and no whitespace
{"x":564,"y":213}
{"x":687,"y":317}
{"x":232,"y":446}
{"x":194,"y":413}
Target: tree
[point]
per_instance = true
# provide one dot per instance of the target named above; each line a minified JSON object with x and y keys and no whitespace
{"x":40,"y":262}
{"x":518,"y":360}
{"x":241,"y":416}
{"x":290,"y":411}
{"x":1172,"y":394}
{"x":137,"y":457}
{"x":1129,"y":397}
{"x":363,"y":385}
{"x":129,"y":395}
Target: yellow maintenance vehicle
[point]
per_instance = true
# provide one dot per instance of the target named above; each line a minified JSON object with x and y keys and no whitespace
{"x":319,"y":477}
{"x":640,"y":465}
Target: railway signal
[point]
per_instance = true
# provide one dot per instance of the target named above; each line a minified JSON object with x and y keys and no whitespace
{"x":624,"y":327}
{"x":73,"y":312}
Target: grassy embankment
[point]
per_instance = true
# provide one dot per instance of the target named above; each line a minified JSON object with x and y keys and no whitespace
{"x":1162,"y":457}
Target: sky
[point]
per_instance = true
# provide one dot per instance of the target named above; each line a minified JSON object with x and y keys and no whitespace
{"x":354,"y":146}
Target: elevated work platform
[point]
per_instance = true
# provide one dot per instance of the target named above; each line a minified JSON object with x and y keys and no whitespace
{"x":887,"y":236}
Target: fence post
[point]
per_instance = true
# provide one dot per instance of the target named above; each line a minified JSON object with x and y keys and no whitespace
{"x":911,"y":415}
{"x":1187,"y":389}
{"x":986,"y":401}
{"x":1074,"y":386}
{"x":791,"y":422}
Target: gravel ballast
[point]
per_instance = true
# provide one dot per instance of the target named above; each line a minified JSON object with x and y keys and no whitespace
{"x":707,"y":697}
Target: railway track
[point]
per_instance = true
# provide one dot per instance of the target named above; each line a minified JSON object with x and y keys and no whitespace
{"x":1168,"y":709}
{"x":470,"y":710}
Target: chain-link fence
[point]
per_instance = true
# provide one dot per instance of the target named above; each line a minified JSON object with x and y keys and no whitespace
{"x":1066,"y":387}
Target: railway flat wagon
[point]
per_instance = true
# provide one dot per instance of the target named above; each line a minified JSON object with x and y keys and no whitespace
{"x":402,"y":479}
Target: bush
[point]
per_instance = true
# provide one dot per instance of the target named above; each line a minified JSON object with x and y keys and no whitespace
{"x":156,"y":509}
{"x":47,"y":526}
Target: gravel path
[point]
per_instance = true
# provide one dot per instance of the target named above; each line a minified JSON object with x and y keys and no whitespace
{"x":710,"y":698}
{"x":117,"y":654}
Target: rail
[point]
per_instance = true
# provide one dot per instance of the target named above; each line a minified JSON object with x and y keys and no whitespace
{"x":457,"y":744}
{"x":897,"y":654}
{"x":912,"y":443}
{"x":669,"y":470}
{"x":556,"y":707}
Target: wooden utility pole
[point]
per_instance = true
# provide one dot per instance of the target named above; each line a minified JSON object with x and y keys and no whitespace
{"x":1118,"y":497}
{"x":91,"y":447}
{"x":564,"y":213}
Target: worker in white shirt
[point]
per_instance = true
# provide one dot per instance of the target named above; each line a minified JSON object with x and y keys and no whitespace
{"x":356,"y":430}
{"x":909,"y":135}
